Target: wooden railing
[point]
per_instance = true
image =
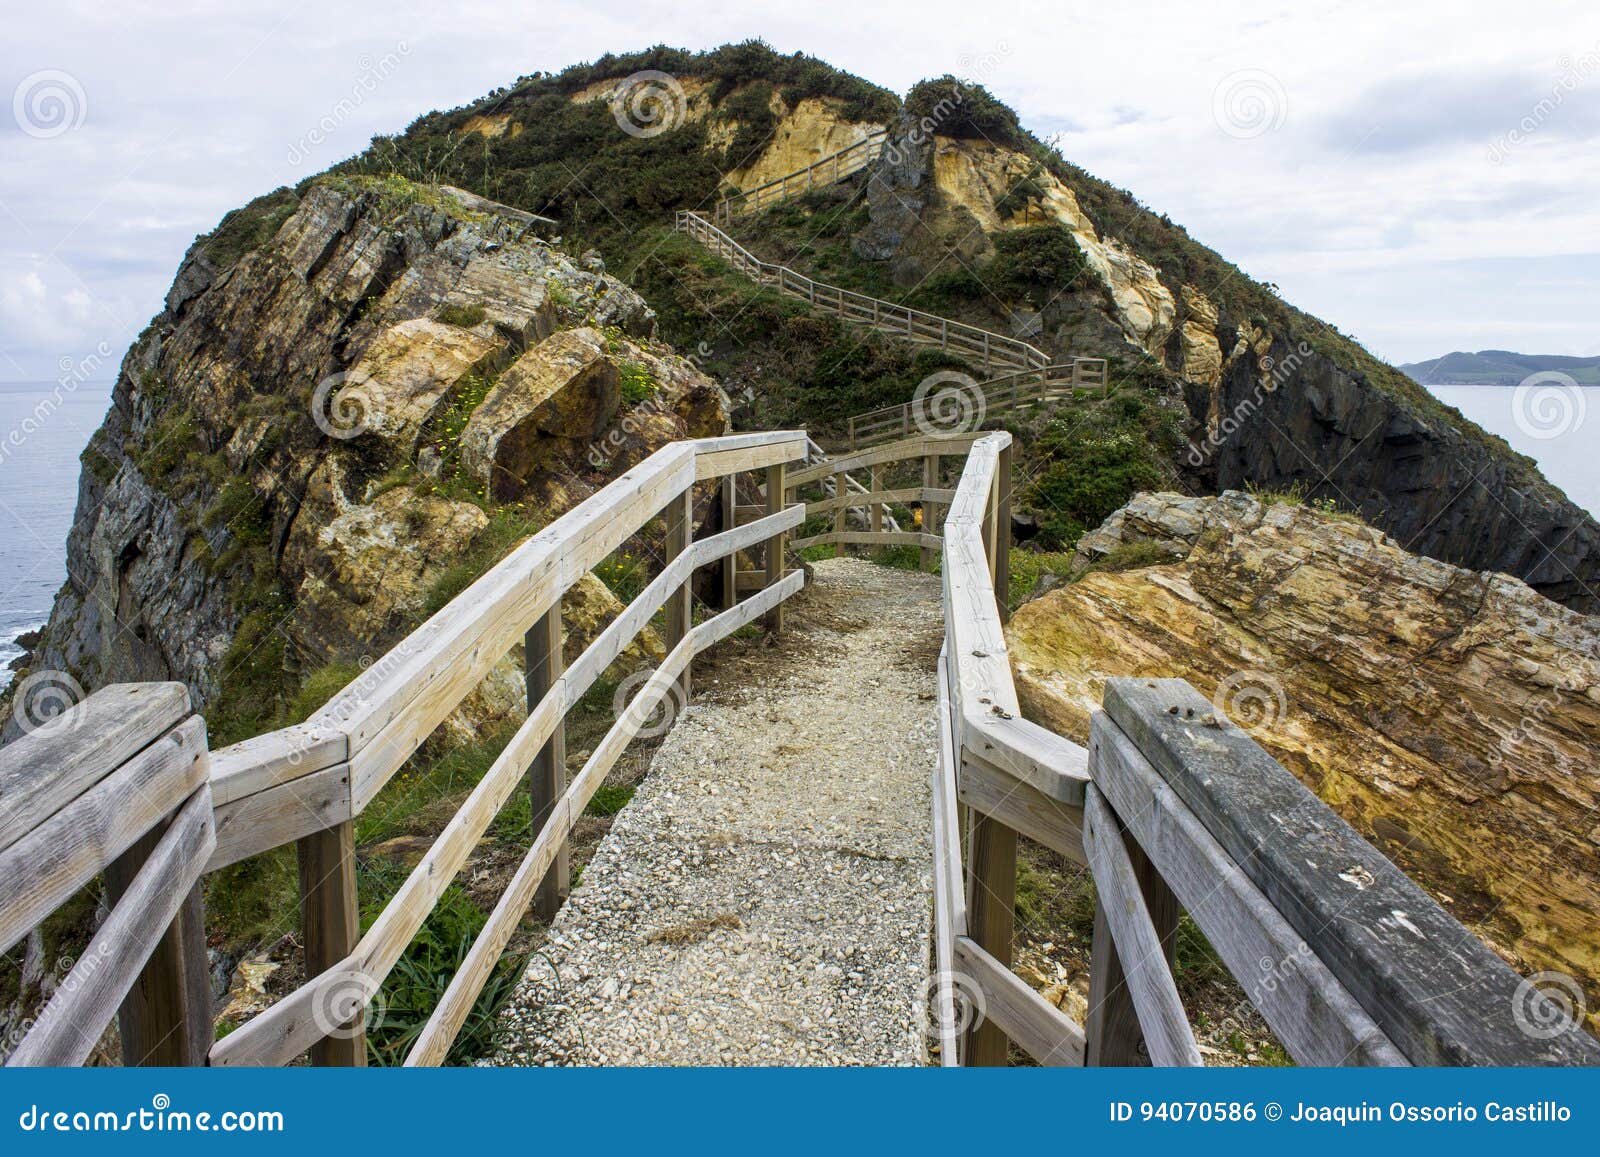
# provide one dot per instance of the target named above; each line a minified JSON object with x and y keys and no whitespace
{"x":826,"y":171}
{"x":306,"y":783}
{"x":1172,"y":809}
{"x":985,"y":346}
{"x":117,"y":784}
{"x":973,"y":403}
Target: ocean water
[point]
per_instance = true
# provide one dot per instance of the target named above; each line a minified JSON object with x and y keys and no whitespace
{"x":1557,"y":426}
{"x":43,"y":428}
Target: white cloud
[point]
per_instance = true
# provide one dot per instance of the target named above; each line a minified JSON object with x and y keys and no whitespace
{"x":1378,"y":171}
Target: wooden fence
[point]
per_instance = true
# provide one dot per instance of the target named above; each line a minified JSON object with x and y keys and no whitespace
{"x":306,"y":784}
{"x":116,"y":785}
{"x":985,"y":346}
{"x":828,"y":170}
{"x":1173,"y":808}
{"x":973,"y":403}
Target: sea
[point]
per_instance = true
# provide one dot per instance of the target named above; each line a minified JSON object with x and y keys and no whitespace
{"x":39,"y":474}
{"x":44,"y":426}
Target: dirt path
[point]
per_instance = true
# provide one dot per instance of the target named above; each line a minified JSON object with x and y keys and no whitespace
{"x":766,"y":896}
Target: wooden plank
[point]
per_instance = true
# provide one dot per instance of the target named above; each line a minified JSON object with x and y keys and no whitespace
{"x":740,"y":452}
{"x":1023,"y":808}
{"x":281,"y":815}
{"x":1142,"y":918}
{"x":876,"y":495}
{"x":43,"y":869}
{"x":275,"y":757}
{"x":1056,"y":767}
{"x":1436,"y":990}
{"x":1043,"y":1031}
{"x":949,"y":902}
{"x":679,"y":517}
{"x":398,"y":702}
{"x":868,"y":538}
{"x":777,"y":488}
{"x":547,"y":778}
{"x":991,"y":918}
{"x":70,"y":1025}
{"x":329,"y":928}
{"x":1317,"y":1020}
{"x":728,"y":568}
{"x":1002,"y":534}
{"x":908,"y":448}
{"x":42,"y":772}
{"x":165,"y":1016}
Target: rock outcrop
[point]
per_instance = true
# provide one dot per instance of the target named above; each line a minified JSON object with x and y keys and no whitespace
{"x":1452,"y":716}
{"x":319,"y":431}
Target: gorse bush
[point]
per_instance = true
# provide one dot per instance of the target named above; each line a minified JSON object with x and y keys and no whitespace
{"x":1035,"y":259}
{"x":1091,"y":461}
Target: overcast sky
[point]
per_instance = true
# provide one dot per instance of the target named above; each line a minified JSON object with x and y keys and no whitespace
{"x":1426,"y":181}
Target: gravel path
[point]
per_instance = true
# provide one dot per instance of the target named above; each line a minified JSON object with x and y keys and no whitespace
{"x":766,"y":896}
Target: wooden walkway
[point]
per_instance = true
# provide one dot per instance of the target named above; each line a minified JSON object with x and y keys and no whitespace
{"x":767,"y":897}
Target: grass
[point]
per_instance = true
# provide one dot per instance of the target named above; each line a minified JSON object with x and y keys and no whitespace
{"x":465,"y":316}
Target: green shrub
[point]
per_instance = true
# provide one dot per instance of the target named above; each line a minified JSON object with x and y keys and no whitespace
{"x":638,"y":384}
{"x":1035,"y":258}
{"x":465,"y":316}
{"x":1091,"y":461}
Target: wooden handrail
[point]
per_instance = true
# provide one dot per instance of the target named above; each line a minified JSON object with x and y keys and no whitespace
{"x":115,"y":785}
{"x":993,"y":396}
{"x":834,"y":167}
{"x":989,"y":347}
{"x":428,"y":673}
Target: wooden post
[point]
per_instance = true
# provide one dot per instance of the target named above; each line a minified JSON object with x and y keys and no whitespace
{"x":841,"y":491}
{"x":730,"y":564}
{"x":875,"y":477}
{"x":166,"y":1017}
{"x":542,"y":664}
{"x":1111,"y":1029}
{"x":991,"y":918}
{"x":1002,"y":535}
{"x":930,"y":509}
{"x":330,"y":926}
{"x":680,"y":529}
{"x":775,"y":496}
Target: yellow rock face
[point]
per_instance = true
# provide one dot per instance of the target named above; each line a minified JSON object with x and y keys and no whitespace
{"x":1452,"y":717}
{"x":976,"y":174}
{"x":404,"y":374}
{"x":493,"y":126}
{"x":1202,"y":353}
{"x":812,"y":130}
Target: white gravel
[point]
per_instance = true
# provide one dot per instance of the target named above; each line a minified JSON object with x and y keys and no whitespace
{"x":766,"y":898}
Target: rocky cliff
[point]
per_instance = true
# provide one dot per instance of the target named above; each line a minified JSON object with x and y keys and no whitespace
{"x":356,"y":398}
{"x":1451,"y":715}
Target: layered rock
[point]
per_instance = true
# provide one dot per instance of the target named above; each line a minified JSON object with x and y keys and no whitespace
{"x":284,"y":447}
{"x":1452,"y":716}
{"x":549,"y":403}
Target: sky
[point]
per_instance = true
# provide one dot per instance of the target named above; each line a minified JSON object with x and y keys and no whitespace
{"x":1421,"y":175}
